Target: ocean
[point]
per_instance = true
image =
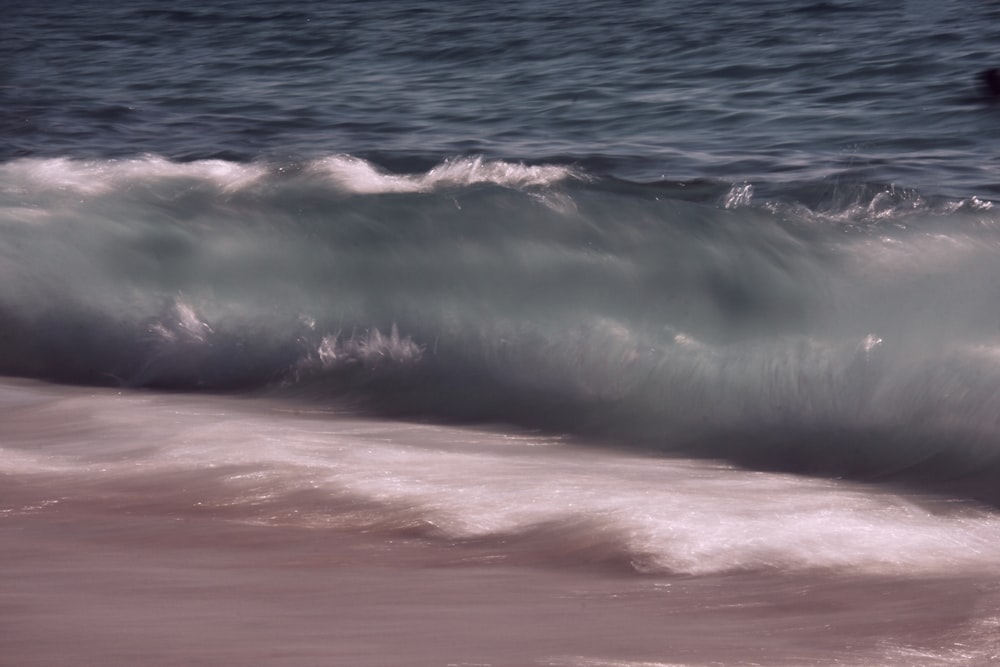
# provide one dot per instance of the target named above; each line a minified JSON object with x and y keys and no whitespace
{"x":570,"y":334}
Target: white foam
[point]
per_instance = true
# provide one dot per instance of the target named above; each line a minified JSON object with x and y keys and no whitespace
{"x":359,"y":176}
{"x":677,"y":516}
{"x":31,"y":176}
{"x":682,"y":516}
{"x":369,"y":348}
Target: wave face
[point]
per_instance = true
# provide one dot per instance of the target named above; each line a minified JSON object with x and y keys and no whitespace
{"x":849,"y":330}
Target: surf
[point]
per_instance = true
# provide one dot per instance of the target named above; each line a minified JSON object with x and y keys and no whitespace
{"x":832,"y":328}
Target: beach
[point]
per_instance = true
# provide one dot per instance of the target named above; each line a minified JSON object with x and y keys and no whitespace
{"x":577,"y":334}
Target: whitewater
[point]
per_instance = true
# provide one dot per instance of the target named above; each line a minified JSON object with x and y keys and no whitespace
{"x":565,"y":335}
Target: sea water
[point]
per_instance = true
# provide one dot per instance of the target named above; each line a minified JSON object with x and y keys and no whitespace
{"x":408,"y":333}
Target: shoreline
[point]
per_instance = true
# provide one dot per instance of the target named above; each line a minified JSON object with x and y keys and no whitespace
{"x":95,"y":586}
{"x":109,"y":556}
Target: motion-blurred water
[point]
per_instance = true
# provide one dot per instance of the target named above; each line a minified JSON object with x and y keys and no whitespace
{"x":704,"y":293}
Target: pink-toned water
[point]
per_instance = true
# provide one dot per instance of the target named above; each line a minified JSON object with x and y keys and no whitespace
{"x":151,"y":529}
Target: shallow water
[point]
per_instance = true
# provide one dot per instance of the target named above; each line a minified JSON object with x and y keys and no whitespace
{"x":159,"y":529}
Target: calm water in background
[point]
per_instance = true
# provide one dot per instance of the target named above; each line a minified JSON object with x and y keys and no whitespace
{"x":408,"y":333}
{"x":736,"y":91}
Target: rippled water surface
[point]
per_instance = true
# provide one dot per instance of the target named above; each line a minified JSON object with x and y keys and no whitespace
{"x":735,"y":90}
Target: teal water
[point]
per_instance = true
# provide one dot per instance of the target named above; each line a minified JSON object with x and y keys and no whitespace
{"x":763,"y":223}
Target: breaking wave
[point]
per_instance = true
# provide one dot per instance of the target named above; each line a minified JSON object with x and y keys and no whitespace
{"x":827,"y":327}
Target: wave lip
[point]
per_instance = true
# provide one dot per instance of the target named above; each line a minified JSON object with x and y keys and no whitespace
{"x":29,"y":176}
{"x":359,"y":176}
{"x":33,"y":176}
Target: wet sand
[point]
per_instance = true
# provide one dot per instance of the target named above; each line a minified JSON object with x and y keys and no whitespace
{"x":97,"y":588}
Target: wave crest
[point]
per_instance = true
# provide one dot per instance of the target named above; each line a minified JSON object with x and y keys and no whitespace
{"x":346,"y":173}
{"x":359,"y":176}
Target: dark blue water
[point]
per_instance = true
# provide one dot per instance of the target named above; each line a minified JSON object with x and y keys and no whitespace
{"x":755,"y":91}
